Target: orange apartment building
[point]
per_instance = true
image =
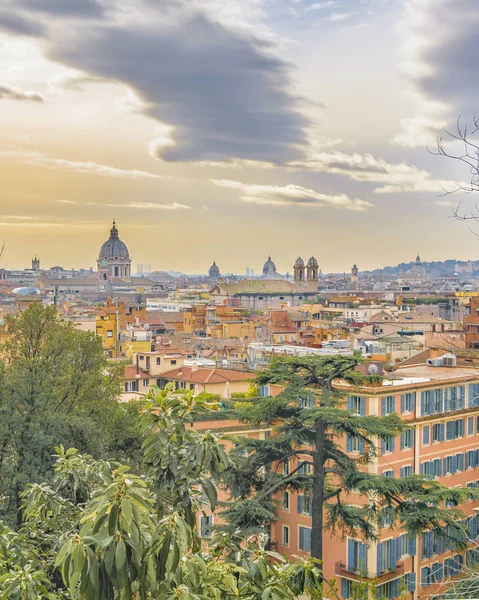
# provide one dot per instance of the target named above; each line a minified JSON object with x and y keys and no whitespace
{"x":471,"y":323}
{"x":439,"y":398}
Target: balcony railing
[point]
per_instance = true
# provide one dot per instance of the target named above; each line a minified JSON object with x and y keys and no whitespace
{"x":355,"y":574}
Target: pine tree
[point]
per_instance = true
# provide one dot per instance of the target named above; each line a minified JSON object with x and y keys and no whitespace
{"x":311,"y":422}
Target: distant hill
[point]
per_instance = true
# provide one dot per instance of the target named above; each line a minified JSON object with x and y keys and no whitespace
{"x":434,"y":269}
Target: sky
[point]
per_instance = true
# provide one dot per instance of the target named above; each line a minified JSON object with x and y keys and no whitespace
{"x":229,"y":130}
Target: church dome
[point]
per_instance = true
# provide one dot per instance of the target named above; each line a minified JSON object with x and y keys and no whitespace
{"x":113,"y":247}
{"x":214,"y":271}
{"x":299,"y":262}
{"x":312,"y":262}
{"x":269,"y":266}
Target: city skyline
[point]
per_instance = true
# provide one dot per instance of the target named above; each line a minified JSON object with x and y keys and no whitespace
{"x":250,"y":129}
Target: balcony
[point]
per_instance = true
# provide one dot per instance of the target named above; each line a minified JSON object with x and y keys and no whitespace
{"x":354,"y":575}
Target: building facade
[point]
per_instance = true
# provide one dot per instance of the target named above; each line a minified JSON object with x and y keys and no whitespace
{"x":114,"y":261}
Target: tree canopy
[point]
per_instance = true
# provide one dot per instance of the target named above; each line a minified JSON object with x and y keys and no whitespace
{"x":56,"y":387}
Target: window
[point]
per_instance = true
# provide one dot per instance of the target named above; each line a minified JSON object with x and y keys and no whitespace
{"x":305,"y":505}
{"x":357,"y":557}
{"x":438,"y":432}
{"x":387,"y":444}
{"x":263,"y":391}
{"x":389,"y":473}
{"x":285,"y":500}
{"x":454,"y":429}
{"x":389,"y":590}
{"x":386,"y":556}
{"x":131,"y":386}
{"x":306,"y":402}
{"x":172,"y":362}
{"x":405,"y":471}
{"x":388,"y":405}
{"x":146,"y":382}
{"x":407,"y":439}
{"x":109,"y":333}
{"x":286,"y":467}
{"x":158,"y":360}
{"x":206,"y":525}
{"x":305,"y":539}
{"x":387,"y":517}
{"x":425,"y":576}
{"x":116,"y":271}
{"x":406,"y":545}
{"x":305,"y":468}
{"x":285,"y":535}
{"x":431,"y":468}
{"x":357,"y":405}
{"x":472,"y":459}
{"x":407,"y":402}
{"x":473,"y":395}
{"x":425,"y":435}
{"x":354,"y":443}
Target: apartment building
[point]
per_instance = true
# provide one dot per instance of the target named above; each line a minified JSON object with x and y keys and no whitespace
{"x":439,"y":398}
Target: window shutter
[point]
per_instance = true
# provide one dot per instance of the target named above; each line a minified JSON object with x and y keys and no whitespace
{"x":470,"y":425}
{"x":363,"y":557}
{"x":380,"y":558}
{"x":383,"y":406}
{"x":411,"y":582}
{"x":345,"y":588}
{"x":391,"y":447}
{"x":361,"y":446}
{"x":411,"y":546}
{"x":403,"y":404}
{"x":449,"y":430}
{"x":392,"y":560}
{"x":461,"y":428}
{"x":300,"y":504}
{"x":475,"y":527}
{"x":441,"y":432}
{"x":425,"y":434}
{"x":454,"y":465}
{"x":402,"y":472}
{"x":462,"y":396}
{"x":423,"y":404}
{"x":350,"y":403}
{"x":403,"y":435}
{"x":349,"y":443}
{"x":362,"y":406}
{"x":460,"y":462}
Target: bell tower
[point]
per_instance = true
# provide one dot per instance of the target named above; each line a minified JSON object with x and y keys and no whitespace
{"x":299,"y":270}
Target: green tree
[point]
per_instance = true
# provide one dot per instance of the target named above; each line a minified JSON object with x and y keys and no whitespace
{"x":100,"y":531}
{"x":55,"y":387}
{"x":311,"y":421}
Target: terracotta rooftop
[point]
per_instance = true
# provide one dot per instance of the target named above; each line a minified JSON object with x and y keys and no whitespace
{"x":131,"y":372}
{"x":207,"y":375}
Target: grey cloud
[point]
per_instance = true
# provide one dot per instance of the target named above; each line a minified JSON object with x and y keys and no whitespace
{"x":8,"y":92}
{"x":81,"y":8}
{"x":439,"y":58}
{"x":12,"y":22}
{"x":227,"y":95}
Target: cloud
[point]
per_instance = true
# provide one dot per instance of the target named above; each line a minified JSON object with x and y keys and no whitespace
{"x":8,"y":92}
{"x":291,"y":195}
{"x":340,"y":17}
{"x":440,"y":64}
{"x":393,"y":177}
{"x":41,"y":160}
{"x":151,"y":205}
{"x":66,"y":202}
{"x":60,"y":8}
{"x":12,"y":22}
{"x":18,"y":217}
{"x":215,"y":77}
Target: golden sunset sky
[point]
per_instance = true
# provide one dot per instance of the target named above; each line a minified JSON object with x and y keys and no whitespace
{"x":230,"y":129}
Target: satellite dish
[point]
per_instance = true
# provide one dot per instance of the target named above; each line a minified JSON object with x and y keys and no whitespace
{"x":146,"y":326}
{"x":373,"y":369}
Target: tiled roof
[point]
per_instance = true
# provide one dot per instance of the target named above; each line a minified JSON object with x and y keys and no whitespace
{"x":205,"y":375}
{"x":131,"y":372}
{"x":257,"y":286}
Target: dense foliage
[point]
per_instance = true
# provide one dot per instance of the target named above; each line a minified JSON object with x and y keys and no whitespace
{"x":100,"y":531}
{"x":56,"y":387}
